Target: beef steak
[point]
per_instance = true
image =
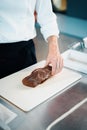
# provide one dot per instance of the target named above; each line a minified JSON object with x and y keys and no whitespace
{"x":37,"y":76}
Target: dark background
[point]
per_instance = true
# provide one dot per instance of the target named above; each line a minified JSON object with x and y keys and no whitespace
{"x":75,"y":8}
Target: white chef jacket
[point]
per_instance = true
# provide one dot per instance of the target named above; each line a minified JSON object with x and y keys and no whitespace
{"x":17,"y":21}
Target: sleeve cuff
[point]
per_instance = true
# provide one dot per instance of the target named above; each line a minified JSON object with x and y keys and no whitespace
{"x":50,"y":29}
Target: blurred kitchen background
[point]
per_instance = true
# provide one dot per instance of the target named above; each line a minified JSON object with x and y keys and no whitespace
{"x":72,"y":22}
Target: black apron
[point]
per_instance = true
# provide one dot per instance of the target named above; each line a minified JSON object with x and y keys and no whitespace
{"x":16,"y":56}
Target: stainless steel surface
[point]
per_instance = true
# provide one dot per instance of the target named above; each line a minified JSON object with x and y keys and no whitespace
{"x":76,"y":120}
{"x":79,"y":46}
{"x":44,"y":114}
{"x":4,"y":126}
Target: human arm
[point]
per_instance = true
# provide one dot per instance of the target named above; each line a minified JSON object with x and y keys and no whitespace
{"x":54,"y":57}
{"x":49,"y":28}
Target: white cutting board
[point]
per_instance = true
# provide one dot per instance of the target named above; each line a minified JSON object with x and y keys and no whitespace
{"x":26,"y":98}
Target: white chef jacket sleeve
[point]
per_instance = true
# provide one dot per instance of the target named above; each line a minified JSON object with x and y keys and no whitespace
{"x":46,"y":18}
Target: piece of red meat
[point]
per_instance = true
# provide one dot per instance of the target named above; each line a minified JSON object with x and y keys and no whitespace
{"x":38,"y":76}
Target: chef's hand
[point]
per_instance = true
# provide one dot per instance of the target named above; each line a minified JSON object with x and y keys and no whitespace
{"x":54,"y":57}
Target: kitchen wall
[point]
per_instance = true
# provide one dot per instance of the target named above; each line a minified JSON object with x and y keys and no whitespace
{"x":74,"y":8}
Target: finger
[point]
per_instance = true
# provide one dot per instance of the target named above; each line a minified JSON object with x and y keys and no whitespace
{"x":47,"y":62}
{"x":59,"y":65}
{"x":54,"y":67}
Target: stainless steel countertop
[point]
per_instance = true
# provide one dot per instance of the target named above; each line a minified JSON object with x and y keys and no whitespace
{"x":43,"y":115}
